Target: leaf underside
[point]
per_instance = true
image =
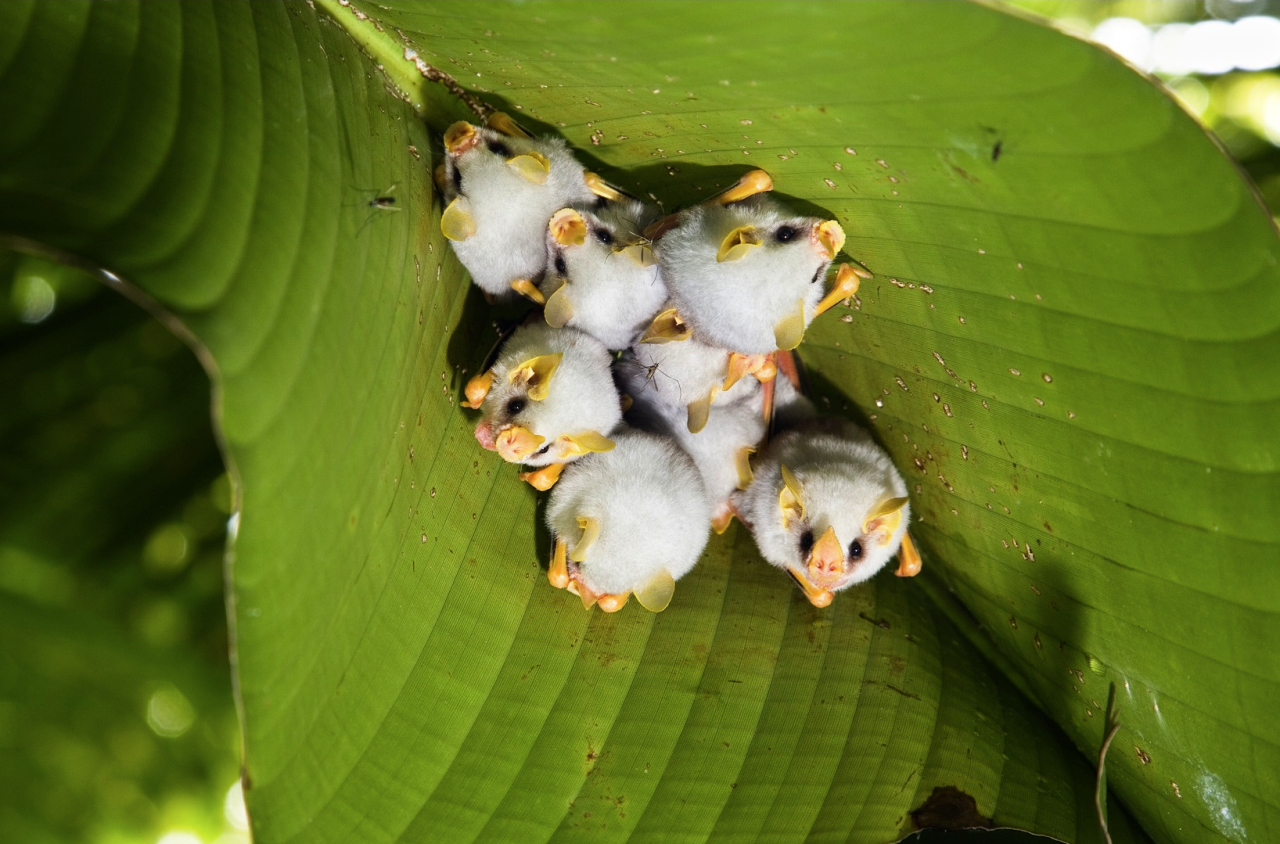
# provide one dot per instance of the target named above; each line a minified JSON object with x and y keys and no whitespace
{"x":1066,"y":347}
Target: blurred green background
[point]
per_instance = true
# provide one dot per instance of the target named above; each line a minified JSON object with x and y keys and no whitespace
{"x":117,"y":720}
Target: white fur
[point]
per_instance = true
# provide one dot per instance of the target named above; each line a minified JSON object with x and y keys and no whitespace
{"x":581,"y":395}
{"x":681,"y":373}
{"x":510,"y":212}
{"x":729,"y":429}
{"x":843,"y":476}
{"x":736,"y":304}
{"x":613,"y":298}
{"x":652,"y":510}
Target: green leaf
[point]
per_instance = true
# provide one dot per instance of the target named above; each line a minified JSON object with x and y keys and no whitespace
{"x":405,"y":672}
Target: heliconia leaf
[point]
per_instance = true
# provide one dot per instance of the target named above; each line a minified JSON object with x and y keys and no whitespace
{"x":1064,"y":346}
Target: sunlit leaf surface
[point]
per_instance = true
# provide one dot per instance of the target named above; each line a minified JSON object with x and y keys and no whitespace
{"x":1067,"y":346}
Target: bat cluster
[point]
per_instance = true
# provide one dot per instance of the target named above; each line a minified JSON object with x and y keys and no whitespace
{"x":642,"y":394}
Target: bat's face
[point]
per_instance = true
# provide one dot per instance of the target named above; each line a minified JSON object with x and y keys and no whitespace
{"x":502,"y":186}
{"x":602,"y":276}
{"x":473,"y":152}
{"x":835,"y":526}
{"x":749,"y":276}
{"x":548,"y":407}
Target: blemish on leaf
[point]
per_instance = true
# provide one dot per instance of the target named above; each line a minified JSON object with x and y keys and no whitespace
{"x":878,"y":622}
{"x":949,"y":808}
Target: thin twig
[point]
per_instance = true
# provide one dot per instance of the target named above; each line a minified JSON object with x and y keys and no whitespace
{"x":1113,"y":727}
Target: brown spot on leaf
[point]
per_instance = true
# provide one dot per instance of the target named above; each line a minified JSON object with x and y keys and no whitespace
{"x":949,"y":808}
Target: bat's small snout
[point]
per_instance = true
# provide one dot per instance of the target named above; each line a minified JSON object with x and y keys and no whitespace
{"x":484,"y":436}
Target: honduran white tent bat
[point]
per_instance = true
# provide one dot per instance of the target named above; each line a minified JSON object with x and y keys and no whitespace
{"x":671,"y":366}
{"x":721,"y":450}
{"x":602,"y":277}
{"x":548,"y":399}
{"x":827,"y":506}
{"x":633,"y":519}
{"x":746,"y":273}
{"x":502,"y":186}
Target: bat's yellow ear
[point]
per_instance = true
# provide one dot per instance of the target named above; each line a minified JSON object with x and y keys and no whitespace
{"x":533,"y":166}
{"x":667,"y":327}
{"x":456,"y":223}
{"x":590,"y":532}
{"x":641,"y":254}
{"x":738,"y":243}
{"x":790,"y":329}
{"x":884,"y":519}
{"x":585,"y":443}
{"x":535,"y":374}
{"x":699,"y":412}
{"x":559,"y":309}
{"x":502,"y":122}
{"x":790,"y":499}
{"x":656,"y":595}
{"x":742,"y":462}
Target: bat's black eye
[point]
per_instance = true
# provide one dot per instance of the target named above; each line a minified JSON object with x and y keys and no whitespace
{"x":561,"y":267}
{"x":542,"y":450}
{"x":603,"y":236}
{"x":786,"y":234}
{"x":806,"y":543}
{"x":499,"y":148}
{"x":457,"y":178}
{"x":855,"y":550}
{"x":515,"y":406}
